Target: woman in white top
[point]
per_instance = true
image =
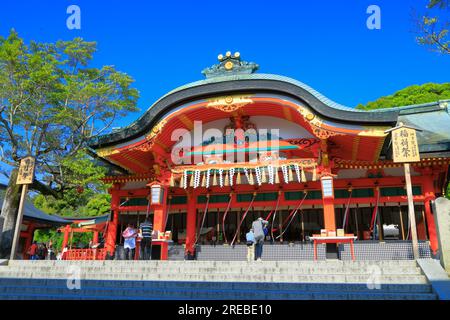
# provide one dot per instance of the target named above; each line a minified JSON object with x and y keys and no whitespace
{"x":130,"y":235}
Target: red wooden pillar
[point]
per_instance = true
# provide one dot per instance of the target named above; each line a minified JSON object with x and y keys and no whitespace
{"x":428,"y":192}
{"x":191,"y":221}
{"x":66,"y":237}
{"x":159,"y":220}
{"x":329,"y":215}
{"x":160,"y":213}
{"x":95,"y":238}
{"x":29,"y":240}
{"x":111,"y":234}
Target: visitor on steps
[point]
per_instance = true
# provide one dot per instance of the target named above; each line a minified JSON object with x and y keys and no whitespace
{"x":258,"y":229}
{"x":32,"y":252}
{"x":250,"y":236}
{"x":42,"y":251}
{"x":129,"y":246}
{"x":146,"y":231}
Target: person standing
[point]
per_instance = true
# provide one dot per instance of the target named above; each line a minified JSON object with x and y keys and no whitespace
{"x":32,"y":252}
{"x":250,"y":237}
{"x":258,"y":227}
{"x":146,"y":231}
{"x":51,"y":253}
{"x":41,"y":251}
{"x":130,"y":235}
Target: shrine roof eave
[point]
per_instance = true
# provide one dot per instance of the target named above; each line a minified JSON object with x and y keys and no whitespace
{"x":262,"y":83}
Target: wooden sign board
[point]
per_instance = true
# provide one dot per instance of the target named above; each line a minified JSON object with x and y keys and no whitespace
{"x":404,"y":145}
{"x":26,"y":171}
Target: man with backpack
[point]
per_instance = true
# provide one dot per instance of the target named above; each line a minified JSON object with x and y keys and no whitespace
{"x":259,"y":227}
{"x":146,"y":231}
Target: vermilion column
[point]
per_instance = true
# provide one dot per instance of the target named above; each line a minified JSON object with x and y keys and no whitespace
{"x":329,"y":215}
{"x":159,"y":223}
{"x":428,"y":192}
{"x":160,"y":213}
{"x":29,"y":240}
{"x":111,"y":234}
{"x":191,"y":221}
{"x":95,"y":238}
{"x":66,"y":237}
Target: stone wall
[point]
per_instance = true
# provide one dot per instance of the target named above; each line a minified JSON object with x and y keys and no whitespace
{"x":441,"y":208}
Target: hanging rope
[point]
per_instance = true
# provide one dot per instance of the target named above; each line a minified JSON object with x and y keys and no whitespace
{"x":105,"y":230}
{"x":269,"y":215}
{"x":290,"y":215}
{"x":224,"y":217}
{"x":243,"y":217}
{"x":274,"y":214}
{"x":167,"y":215}
{"x":293,"y":213}
{"x":409,"y":230}
{"x":347,"y":208}
{"x":148,"y":207}
{"x":276,"y":207}
{"x":375,"y":212}
{"x":203,"y":219}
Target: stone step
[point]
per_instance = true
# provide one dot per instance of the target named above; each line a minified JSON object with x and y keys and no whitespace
{"x":221,"y":269}
{"x":416,"y":279}
{"x":235,"y":295}
{"x":359,"y":263}
{"x":242,"y":286}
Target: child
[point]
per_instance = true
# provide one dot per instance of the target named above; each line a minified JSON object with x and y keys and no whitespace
{"x":250,"y":236}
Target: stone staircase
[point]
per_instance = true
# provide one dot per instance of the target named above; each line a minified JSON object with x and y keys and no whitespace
{"x":235,"y":280}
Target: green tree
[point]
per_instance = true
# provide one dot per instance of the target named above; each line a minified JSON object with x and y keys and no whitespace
{"x":45,"y":235}
{"x":433,"y":26}
{"x":84,"y":175}
{"x":415,"y":94}
{"x":51,"y":102}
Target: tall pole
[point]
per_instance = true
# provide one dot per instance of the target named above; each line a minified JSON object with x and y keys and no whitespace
{"x":24,"y":178}
{"x":16,"y":238}
{"x":401,"y":221}
{"x":411,"y":214}
{"x":405,"y":149}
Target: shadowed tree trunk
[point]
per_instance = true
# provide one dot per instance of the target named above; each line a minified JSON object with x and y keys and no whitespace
{"x":9,"y":214}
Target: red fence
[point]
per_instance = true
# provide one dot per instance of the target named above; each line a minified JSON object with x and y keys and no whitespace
{"x":85,"y":254}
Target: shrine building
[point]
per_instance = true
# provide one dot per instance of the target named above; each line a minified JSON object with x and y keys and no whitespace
{"x":210,"y":157}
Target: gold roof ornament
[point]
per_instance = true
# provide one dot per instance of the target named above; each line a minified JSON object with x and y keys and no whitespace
{"x":230,"y":64}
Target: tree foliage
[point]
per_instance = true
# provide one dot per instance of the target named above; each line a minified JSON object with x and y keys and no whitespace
{"x":75,"y":204}
{"x":433,"y":27}
{"x":448,"y":191}
{"x":51,"y":102}
{"x":45,"y":235}
{"x":415,"y":94}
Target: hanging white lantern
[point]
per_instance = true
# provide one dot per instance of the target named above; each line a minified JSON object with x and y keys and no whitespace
{"x":258,"y":175}
{"x":231,"y":176}
{"x":221,"y":178}
{"x":297,"y":172}
{"x":271,"y":175}
{"x":208,"y":173}
{"x":284,"y":169}
{"x":196,"y":179}
{"x":185,"y":179}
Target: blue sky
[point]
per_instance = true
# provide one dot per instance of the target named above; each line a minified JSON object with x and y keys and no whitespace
{"x":164,"y":44}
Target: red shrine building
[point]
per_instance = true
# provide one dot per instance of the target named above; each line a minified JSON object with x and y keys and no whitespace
{"x":210,"y":157}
